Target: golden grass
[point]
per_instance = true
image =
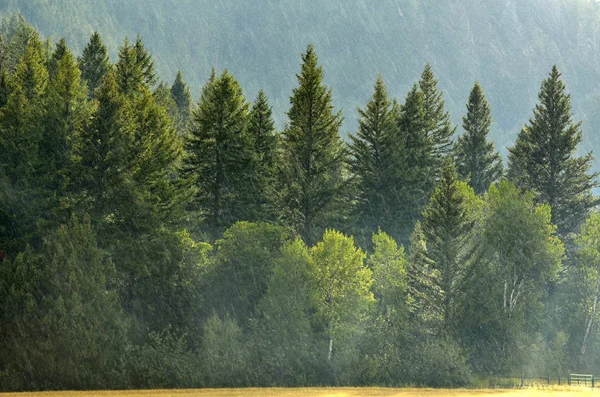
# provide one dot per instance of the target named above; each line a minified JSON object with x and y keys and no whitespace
{"x":321,"y":392}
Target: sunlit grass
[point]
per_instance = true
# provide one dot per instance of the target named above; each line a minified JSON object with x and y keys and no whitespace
{"x":555,"y":391}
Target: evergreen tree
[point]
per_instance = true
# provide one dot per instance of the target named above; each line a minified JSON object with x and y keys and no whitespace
{"x":313,"y":153}
{"x":543,"y":161}
{"x":438,"y":125}
{"x":129,"y":72}
{"x":180,"y":92}
{"x":476,"y":160}
{"x":415,"y":175}
{"x":374,"y":162}
{"x":219,"y":154}
{"x":58,"y":53}
{"x":67,"y":114}
{"x":94,"y":63}
{"x":261,"y":129}
{"x":447,"y":227}
{"x":22,"y":200}
{"x":144,"y":60}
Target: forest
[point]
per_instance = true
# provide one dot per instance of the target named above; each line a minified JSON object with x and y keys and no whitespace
{"x":152,"y":240}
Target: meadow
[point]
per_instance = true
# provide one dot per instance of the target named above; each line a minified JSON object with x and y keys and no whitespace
{"x":319,"y":392}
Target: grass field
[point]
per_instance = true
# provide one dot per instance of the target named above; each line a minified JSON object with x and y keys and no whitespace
{"x":320,"y":392}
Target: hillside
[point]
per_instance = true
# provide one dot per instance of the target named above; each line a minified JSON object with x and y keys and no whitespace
{"x":508,"y":46}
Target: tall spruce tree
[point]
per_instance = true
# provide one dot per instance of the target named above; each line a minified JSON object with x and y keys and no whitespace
{"x":476,"y":159}
{"x":94,"y":63}
{"x":438,"y":125}
{"x":59,"y":52}
{"x":415,"y":176}
{"x":219,"y":153}
{"x":180,"y":92}
{"x":543,"y":160}
{"x":373,"y":162}
{"x":447,"y":227}
{"x":261,"y":129}
{"x":22,"y":202}
{"x":135,"y":68}
{"x":313,"y":153}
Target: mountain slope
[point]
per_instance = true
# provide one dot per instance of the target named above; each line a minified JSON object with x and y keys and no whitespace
{"x":509,"y":46}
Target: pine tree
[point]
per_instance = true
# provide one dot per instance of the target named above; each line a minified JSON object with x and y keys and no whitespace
{"x":447,"y":227}
{"x":180,"y":92}
{"x":374,"y":161}
{"x":439,"y":128}
{"x":94,"y":63}
{"x":144,"y":59}
{"x":415,"y":176}
{"x":313,"y":153}
{"x":476,"y":160}
{"x":261,"y":129}
{"x":66,"y":116}
{"x":58,"y":53}
{"x":543,"y":161}
{"x":219,"y":153}
{"x":129,"y":72}
{"x":22,"y":203}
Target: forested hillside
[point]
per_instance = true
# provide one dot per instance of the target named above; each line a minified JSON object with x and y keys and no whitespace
{"x":506,"y":45}
{"x":151,"y":240}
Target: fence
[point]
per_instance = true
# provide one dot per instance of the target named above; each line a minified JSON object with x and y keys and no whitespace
{"x":524,"y":380}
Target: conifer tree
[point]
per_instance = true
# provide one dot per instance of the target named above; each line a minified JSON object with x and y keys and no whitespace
{"x":313,"y":153}
{"x":415,"y":176}
{"x":129,"y":72}
{"x":58,"y":53}
{"x":476,"y":160}
{"x":66,"y":115}
{"x":22,"y":203}
{"x":144,"y":59}
{"x":543,"y":161}
{"x":180,"y":92}
{"x":447,"y":227}
{"x":374,"y":161}
{"x":439,"y":128}
{"x":261,"y":129}
{"x":94,"y":63}
{"x":219,"y":153}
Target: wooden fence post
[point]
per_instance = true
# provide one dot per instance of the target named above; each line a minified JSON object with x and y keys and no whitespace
{"x":522,"y":379}
{"x":559,"y":378}
{"x":569,"y":379}
{"x":548,"y":379}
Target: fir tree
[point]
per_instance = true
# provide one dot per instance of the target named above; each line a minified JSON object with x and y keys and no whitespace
{"x":439,"y":128}
{"x":313,"y":153}
{"x":261,"y":129}
{"x":219,"y":153}
{"x":129,"y":73}
{"x":415,"y":175}
{"x":144,"y":60}
{"x":94,"y":63}
{"x":58,"y":53}
{"x":476,"y":160}
{"x":22,"y":202}
{"x":447,"y":227}
{"x":543,"y":161}
{"x":180,"y":92}
{"x":374,"y":161}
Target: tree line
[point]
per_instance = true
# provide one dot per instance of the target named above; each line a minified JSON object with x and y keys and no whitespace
{"x":147,"y":240}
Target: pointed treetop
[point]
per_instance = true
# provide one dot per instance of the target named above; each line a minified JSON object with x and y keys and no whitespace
{"x":94,"y":63}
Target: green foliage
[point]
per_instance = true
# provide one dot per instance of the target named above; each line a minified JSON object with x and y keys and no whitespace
{"x":543,"y":161}
{"x":94,"y":63}
{"x":243,"y":265}
{"x":375,"y":161}
{"x":476,"y":160}
{"x":438,"y":128}
{"x":313,"y":155}
{"x":180,"y":92}
{"x":219,"y":154}
{"x":447,"y":228}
